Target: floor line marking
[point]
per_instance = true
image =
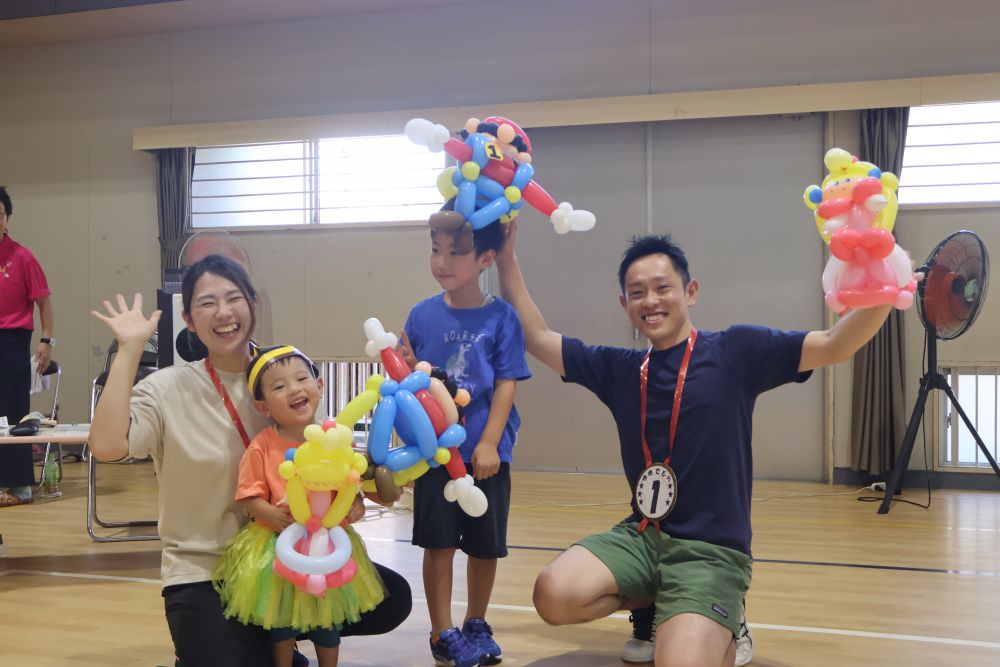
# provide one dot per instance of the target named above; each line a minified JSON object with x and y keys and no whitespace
{"x":621,"y":615}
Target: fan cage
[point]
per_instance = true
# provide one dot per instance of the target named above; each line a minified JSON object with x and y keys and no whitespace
{"x":948,"y":300}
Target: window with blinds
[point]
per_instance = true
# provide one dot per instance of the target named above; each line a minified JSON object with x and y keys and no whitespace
{"x":952,"y":155}
{"x":344,"y":181}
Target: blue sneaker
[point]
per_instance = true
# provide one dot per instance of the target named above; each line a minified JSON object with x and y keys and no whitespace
{"x":299,"y":660}
{"x":452,"y":649}
{"x":479,"y":632}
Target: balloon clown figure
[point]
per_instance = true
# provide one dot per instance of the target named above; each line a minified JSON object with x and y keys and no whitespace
{"x":299,"y":567}
{"x":855,"y":210}
{"x":424,"y":414}
{"x":495,"y":175}
{"x":323,"y":475}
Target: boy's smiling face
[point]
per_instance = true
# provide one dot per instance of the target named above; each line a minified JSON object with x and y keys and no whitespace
{"x":454,"y":271}
{"x":291,"y":393}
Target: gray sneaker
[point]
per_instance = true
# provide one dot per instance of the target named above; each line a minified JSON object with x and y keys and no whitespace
{"x":744,"y":642}
{"x":638,"y":650}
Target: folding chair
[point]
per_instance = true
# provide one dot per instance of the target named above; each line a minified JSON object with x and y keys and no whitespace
{"x":53,"y":414}
{"x":147,"y":366}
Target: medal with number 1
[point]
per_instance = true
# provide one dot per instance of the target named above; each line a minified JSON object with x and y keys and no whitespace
{"x":656,"y":488}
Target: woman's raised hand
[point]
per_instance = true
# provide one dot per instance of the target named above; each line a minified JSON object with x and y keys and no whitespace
{"x":128,"y":324}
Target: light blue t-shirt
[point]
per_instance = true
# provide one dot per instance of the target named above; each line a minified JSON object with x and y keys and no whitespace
{"x":477,"y":346}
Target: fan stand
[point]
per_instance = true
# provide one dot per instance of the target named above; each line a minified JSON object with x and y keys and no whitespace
{"x":931,"y":380}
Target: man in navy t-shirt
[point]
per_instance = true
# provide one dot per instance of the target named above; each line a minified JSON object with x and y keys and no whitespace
{"x":683,"y":410}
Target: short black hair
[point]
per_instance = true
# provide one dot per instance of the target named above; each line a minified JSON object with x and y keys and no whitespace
{"x":224,"y":268}
{"x":488,"y":237}
{"x":653,"y":244}
{"x":8,"y":206}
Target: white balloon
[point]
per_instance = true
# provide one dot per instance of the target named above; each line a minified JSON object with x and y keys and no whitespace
{"x":581,"y":221}
{"x":370,"y":349}
{"x":473,"y":502}
{"x":285,"y":550}
{"x":439,"y":135}
{"x":373,"y":327}
{"x":418,"y":130}
{"x":450,"y":491}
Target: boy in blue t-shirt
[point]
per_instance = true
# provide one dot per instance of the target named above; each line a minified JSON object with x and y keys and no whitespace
{"x":477,"y":339}
{"x":684,"y":412}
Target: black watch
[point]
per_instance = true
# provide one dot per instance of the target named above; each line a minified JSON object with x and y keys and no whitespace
{"x":48,"y":341}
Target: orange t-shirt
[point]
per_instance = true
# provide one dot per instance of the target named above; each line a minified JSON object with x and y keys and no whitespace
{"x":258,"y":477}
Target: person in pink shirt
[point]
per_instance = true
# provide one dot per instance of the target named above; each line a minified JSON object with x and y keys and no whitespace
{"x":22,"y":288}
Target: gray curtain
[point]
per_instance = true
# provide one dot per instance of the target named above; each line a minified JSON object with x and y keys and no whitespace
{"x":174,"y":169}
{"x":878,"y":410}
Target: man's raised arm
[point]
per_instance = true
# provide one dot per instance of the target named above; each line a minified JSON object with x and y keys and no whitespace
{"x":541,"y":342}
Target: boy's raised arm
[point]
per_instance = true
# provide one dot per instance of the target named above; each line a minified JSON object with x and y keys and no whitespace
{"x":540,"y":341}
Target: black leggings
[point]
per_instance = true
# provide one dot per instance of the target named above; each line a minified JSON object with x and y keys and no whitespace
{"x":203,"y":637}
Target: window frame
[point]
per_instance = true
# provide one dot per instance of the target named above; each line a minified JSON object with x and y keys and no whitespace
{"x":314,"y":210}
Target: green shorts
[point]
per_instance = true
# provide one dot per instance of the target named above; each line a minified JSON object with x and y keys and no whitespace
{"x":677,"y":575}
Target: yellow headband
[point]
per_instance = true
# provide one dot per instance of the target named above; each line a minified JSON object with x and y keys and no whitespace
{"x":263,"y":361}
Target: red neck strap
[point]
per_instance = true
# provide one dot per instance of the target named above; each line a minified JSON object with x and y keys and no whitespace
{"x":227,"y":401}
{"x":678,"y":392}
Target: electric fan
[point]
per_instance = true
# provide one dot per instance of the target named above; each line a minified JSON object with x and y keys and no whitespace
{"x":198,"y":246}
{"x":213,"y":242}
{"x":949,"y":299}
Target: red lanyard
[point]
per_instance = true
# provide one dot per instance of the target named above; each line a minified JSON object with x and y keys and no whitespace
{"x":678,"y":392}
{"x":228,"y":401}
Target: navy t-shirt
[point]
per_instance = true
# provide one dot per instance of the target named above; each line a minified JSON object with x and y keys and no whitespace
{"x":712,"y":457}
{"x":477,"y":346}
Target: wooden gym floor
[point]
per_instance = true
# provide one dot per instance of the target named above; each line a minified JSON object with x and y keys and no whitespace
{"x":834,"y":584}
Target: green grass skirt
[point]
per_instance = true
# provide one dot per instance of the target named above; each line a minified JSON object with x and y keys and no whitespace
{"x":254,"y":594}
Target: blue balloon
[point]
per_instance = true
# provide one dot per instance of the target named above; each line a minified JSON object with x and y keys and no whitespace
{"x":465,"y":200}
{"x":290,"y":454}
{"x":423,"y":431}
{"x":415,"y":381}
{"x":489,"y":188}
{"x":816,"y":196}
{"x":875,"y":171}
{"x":389,"y":387}
{"x":489,"y":213}
{"x":523,"y":176}
{"x":405,"y":433}
{"x":453,"y":436}
{"x":402,"y":458}
{"x":380,"y":431}
{"x":477,"y":143}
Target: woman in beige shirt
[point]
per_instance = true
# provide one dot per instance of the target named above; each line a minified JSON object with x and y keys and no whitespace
{"x":195,"y":420}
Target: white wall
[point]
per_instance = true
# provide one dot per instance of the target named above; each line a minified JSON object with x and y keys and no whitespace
{"x":85,"y":201}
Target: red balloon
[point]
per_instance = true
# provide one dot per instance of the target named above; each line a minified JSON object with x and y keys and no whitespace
{"x":395,"y":367}
{"x":433,"y":410}
{"x":455,"y":465}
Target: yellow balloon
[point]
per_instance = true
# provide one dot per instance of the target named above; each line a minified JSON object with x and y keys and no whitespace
{"x":442,"y":456}
{"x":470,"y":170}
{"x":361,"y":404}
{"x":512,"y":194}
{"x":444,"y":183}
